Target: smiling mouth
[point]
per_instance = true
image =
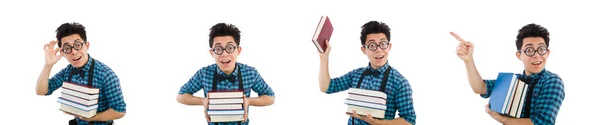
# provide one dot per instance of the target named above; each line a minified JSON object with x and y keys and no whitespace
{"x":379,"y":57}
{"x":536,"y":63}
{"x":226,"y":61}
{"x":77,"y":59}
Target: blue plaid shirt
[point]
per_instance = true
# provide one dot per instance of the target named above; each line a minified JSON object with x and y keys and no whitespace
{"x":399,"y":92}
{"x":105,"y":79}
{"x":251,"y":79}
{"x":547,"y":97}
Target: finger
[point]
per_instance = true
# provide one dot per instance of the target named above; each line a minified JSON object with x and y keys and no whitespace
{"x":469,"y":44}
{"x":328,"y":46}
{"x":52,"y":43}
{"x":457,"y":37}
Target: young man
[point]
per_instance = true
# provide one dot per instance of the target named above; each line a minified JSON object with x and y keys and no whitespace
{"x":375,"y":37}
{"x":224,"y":41}
{"x":546,"y":88}
{"x":73,"y":44}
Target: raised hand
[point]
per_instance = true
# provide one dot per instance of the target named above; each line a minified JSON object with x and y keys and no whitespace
{"x":50,"y":52}
{"x":464,"y":50}
{"x":325,"y":55}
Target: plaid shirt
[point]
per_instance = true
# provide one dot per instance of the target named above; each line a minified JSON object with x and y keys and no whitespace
{"x":105,"y":79}
{"x":546,"y":99}
{"x":251,"y":79}
{"x":399,"y":92}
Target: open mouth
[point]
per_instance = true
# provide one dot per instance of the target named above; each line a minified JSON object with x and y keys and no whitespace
{"x":226,"y":61}
{"x":379,"y":57}
{"x":536,"y":63}
{"x":77,"y":59}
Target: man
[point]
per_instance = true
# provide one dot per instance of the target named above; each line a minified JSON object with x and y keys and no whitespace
{"x":546,"y":88}
{"x":224,"y":41}
{"x":375,"y":37}
{"x":73,"y":44}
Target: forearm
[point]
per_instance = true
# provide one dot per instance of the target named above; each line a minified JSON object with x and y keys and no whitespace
{"x":108,"y":115}
{"x":397,"y":121}
{"x":475,"y":79}
{"x":263,"y":100}
{"x":189,"y":99}
{"x":518,"y":121}
{"x":41,"y":88}
{"x":324,"y":77}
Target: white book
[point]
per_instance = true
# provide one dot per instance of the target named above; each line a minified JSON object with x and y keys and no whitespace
{"x":366,"y":92}
{"x":508,"y":94}
{"x":376,"y":113}
{"x":226,"y":101}
{"x":79,"y":100}
{"x":226,"y":94}
{"x":80,"y":88}
{"x":366,"y":104}
{"x":516,"y":99}
{"x":226,"y":118}
{"x":75,"y":105}
{"x":225,"y":107}
{"x":225,"y":112}
{"x":522,"y":103}
{"x":366,"y":99}
{"x":79,"y":112}
{"x":79,"y":94}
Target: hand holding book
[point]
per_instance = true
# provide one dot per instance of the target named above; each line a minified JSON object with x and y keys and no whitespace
{"x":367,"y":118}
{"x":325,"y":55}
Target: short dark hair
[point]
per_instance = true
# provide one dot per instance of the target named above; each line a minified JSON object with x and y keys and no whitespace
{"x":532,"y":30}
{"x":67,"y":29}
{"x":374,"y":27}
{"x":222,"y":29}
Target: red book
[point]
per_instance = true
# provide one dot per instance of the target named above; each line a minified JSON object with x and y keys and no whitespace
{"x":323,"y":32}
{"x":219,"y":94}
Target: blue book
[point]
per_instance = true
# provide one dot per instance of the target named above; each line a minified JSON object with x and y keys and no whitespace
{"x":504,"y":88}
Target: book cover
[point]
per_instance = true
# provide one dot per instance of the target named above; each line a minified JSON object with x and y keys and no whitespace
{"x":369,"y":93}
{"x":81,"y":88}
{"x":322,"y":33}
{"x":500,"y":91}
{"x":226,"y":118}
{"x":215,"y":94}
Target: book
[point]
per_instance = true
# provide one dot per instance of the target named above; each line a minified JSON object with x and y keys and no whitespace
{"x":368,"y":93}
{"x":225,"y":112}
{"x":80,"y":88}
{"x":366,"y":102}
{"x":78,"y":112}
{"x":322,"y":33}
{"x":508,"y":95}
{"x":226,"y":101}
{"x":225,"y":107}
{"x":79,"y":100}
{"x":225,"y":94}
{"x":77,"y":105}
{"x":79,"y":94}
{"x":226,"y":118}
{"x":375,"y":113}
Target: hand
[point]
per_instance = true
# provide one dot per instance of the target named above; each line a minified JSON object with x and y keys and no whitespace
{"x":495,"y":115}
{"x":369,"y":119}
{"x":205,"y":104}
{"x":50,"y":52}
{"x":325,"y":55}
{"x":464,"y":50}
{"x":246,"y":104}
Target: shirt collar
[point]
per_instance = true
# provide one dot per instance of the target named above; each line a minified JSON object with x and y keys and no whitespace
{"x":380,"y":69}
{"x":535,"y":75}
{"x":87,"y":64}
{"x":234,"y":73}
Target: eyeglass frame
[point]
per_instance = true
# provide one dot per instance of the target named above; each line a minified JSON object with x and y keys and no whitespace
{"x":68,"y":49}
{"x":217,"y":52}
{"x":378,"y":45}
{"x":534,"y":51}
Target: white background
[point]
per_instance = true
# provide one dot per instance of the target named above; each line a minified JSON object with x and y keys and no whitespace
{"x":155,"y":47}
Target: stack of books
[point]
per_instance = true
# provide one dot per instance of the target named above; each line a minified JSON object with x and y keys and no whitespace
{"x":508,"y":95}
{"x":79,"y":100}
{"x":225,"y":106}
{"x":366,"y":102}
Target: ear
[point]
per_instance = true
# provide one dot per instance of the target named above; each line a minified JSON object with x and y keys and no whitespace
{"x":548,"y":53}
{"x":390,"y":47}
{"x":87,"y":45}
{"x":211,"y":53}
{"x":518,"y":54}
{"x":239,"y":50}
{"x":362,"y":48}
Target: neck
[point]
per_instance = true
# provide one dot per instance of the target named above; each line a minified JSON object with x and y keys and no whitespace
{"x":229,"y":72}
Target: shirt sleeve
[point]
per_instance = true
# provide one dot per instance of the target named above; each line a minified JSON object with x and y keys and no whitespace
{"x":112,"y":91}
{"x":550,"y":97}
{"x":260,"y":86}
{"x":56,"y":81}
{"x":489,"y":87}
{"x":193,"y":85}
{"x":341,"y":83}
{"x":404,"y":102}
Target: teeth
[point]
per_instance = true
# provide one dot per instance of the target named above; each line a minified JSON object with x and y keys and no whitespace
{"x":536,"y":63}
{"x":379,"y":57}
